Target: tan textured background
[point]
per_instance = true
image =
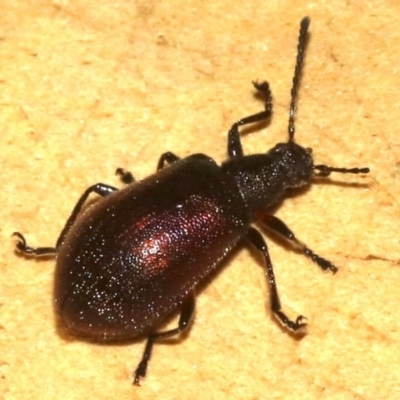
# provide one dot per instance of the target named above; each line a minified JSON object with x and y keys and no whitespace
{"x":86,"y":87}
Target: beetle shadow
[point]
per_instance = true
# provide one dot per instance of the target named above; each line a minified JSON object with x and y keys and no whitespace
{"x":69,"y":336}
{"x":349,"y":185}
{"x":37,"y":259}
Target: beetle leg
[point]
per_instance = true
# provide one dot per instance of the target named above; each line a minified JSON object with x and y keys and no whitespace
{"x":23,"y":248}
{"x":258,"y":242}
{"x":125,"y":176}
{"x":99,"y":188}
{"x":234,"y":144}
{"x":167,"y":157}
{"x":187,"y":311}
{"x":282,"y":229}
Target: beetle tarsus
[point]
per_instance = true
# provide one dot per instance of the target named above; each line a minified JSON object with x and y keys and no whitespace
{"x":141,"y":369}
{"x":167,"y":157}
{"x":234,"y":144}
{"x":125,"y":175}
{"x":26,"y":250}
{"x":279,"y":227}
{"x":295,"y":326}
{"x":324,"y":264}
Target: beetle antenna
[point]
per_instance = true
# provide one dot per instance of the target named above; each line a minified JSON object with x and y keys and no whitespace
{"x":324,"y":170}
{"x":319,"y":170}
{"x":301,"y":47}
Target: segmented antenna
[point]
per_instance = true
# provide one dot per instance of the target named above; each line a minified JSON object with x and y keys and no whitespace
{"x":324,"y":170}
{"x":301,"y":47}
{"x":321,"y":170}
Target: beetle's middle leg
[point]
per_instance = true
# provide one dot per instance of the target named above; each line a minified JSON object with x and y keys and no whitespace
{"x":167,"y":157}
{"x":258,"y":242}
{"x":187,"y":311}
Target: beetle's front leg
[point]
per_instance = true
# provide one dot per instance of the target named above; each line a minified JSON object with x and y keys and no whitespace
{"x":234,"y":144}
{"x":258,"y":242}
{"x":282,"y":229}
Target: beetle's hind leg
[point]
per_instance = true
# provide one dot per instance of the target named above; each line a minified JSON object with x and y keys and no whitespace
{"x":258,"y":242}
{"x":234,"y":144}
{"x":187,"y":311}
{"x":100,"y":188}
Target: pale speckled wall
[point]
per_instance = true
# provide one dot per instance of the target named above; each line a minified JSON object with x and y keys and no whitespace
{"x":88,"y":87}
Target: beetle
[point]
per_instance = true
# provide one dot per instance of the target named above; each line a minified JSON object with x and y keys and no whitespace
{"x":136,"y":255}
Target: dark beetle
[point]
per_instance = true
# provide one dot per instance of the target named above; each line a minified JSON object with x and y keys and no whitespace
{"x":134,"y":257}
